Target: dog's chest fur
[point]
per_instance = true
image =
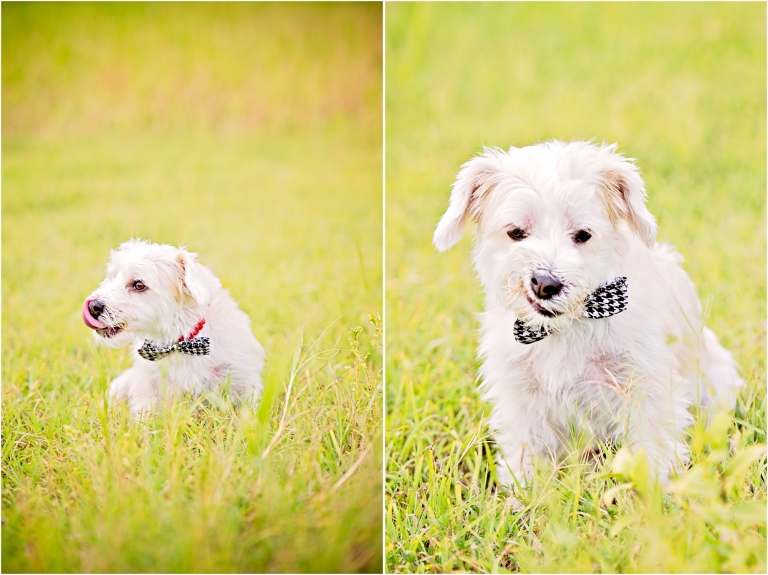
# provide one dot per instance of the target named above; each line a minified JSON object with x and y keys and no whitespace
{"x":588,"y":390}
{"x":576,"y":378}
{"x":582,"y":374}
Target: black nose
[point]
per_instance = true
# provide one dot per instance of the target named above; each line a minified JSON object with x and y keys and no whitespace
{"x":95,"y":307}
{"x":544,"y":285}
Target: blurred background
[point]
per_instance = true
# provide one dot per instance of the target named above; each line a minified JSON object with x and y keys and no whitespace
{"x":250,"y":133}
{"x":681,"y":88}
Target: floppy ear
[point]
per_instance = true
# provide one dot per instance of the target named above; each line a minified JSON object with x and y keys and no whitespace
{"x":197,"y":280}
{"x":476,"y":178}
{"x":625,"y":197}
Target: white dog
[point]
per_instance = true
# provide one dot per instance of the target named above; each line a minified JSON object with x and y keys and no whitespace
{"x":188,"y":334}
{"x":589,"y":322}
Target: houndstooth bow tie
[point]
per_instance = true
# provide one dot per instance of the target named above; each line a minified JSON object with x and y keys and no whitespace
{"x":607,"y":300}
{"x":197,"y":346}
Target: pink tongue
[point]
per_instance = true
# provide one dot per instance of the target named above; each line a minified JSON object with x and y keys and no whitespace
{"x":88,"y":319}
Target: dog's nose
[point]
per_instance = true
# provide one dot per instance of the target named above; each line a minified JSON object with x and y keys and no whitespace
{"x":95,"y":307}
{"x":544,"y":285}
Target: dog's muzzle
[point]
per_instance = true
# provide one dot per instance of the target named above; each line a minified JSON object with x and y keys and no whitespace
{"x":92,"y":309}
{"x":607,"y":300}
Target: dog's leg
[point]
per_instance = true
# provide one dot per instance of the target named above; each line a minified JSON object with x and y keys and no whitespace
{"x":721,"y":384}
{"x":138,"y":386}
{"x":244,"y":386}
{"x":522,"y":435}
{"x":514,"y":466}
{"x":120,"y":386}
{"x":656,"y":424}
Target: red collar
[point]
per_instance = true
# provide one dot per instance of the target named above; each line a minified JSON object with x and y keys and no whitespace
{"x":195,"y":330}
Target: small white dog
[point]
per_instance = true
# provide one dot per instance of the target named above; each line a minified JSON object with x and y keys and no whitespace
{"x":187,"y":332}
{"x":589,"y":322}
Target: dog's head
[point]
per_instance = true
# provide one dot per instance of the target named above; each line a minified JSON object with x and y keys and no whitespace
{"x":552,"y":220}
{"x":149,"y":290}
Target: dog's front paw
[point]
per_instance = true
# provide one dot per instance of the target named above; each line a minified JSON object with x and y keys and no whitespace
{"x":513,"y":476}
{"x":666,"y":460}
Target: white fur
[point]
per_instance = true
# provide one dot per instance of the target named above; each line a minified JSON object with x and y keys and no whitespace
{"x":634,"y":374}
{"x":179,"y":293}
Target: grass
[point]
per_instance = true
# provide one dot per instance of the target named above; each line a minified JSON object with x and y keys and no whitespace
{"x":681,"y":87}
{"x":252,"y":136}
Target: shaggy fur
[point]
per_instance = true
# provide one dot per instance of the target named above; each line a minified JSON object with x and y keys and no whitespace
{"x":634,"y":374}
{"x":176,"y":293}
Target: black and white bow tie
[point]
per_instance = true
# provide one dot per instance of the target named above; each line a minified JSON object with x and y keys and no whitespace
{"x":607,"y":300}
{"x":153,"y":351}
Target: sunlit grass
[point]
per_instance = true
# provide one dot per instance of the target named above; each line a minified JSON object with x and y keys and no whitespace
{"x":253,"y":137}
{"x":681,"y":87}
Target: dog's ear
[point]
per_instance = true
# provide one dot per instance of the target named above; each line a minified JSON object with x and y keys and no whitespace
{"x":475,"y":180}
{"x":197,"y":280}
{"x":625,"y":198}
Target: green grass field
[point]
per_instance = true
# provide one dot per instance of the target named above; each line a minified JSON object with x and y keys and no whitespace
{"x":252,"y":135}
{"x":681,"y":87}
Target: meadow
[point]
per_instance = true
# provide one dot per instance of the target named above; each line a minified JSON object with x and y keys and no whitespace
{"x":252,"y":136}
{"x":681,"y":88}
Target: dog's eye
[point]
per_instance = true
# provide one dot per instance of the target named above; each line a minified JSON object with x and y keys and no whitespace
{"x":138,"y":285}
{"x":581,"y":236}
{"x":517,"y":234}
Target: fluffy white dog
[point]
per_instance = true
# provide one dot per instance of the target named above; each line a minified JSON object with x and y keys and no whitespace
{"x":589,"y":322}
{"x":187,"y":333}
